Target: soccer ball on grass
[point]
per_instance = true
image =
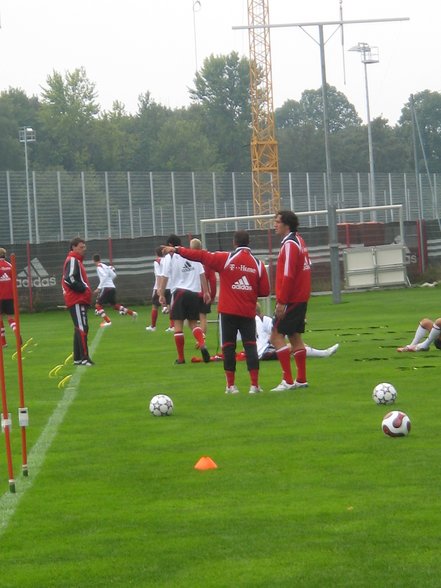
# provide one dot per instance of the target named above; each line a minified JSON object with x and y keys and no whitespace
{"x":161,"y":405}
{"x":396,"y":424}
{"x":384,"y":393}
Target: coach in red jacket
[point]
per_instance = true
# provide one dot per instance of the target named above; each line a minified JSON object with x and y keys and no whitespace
{"x":242,"y":279}
{"x":77,"y":297}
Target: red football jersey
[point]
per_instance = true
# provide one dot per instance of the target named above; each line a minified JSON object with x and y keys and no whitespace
{"x":242,"y":278}
{"x":6,"y":292}
{"x":293,"y":275}
{"x":211,"y":281}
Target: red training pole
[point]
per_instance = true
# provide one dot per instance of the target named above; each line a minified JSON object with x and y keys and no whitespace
{"x":22,"y":410}
{"x":6,"y":423}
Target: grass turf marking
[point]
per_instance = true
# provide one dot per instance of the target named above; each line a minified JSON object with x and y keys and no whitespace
{"x":9,"y":501}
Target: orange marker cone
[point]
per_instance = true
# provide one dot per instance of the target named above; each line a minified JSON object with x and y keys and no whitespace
{"x":205,"y":463}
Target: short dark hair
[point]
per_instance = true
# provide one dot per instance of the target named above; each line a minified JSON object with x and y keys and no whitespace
{"x":289,"y":218}
{"x":241,"y":238}
{"x":96,"y":257}
{"x":158,"y":251}
{"x":76,"y":241}
{"x":173,"y":241}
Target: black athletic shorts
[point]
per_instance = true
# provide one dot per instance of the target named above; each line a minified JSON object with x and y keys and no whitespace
{"x":107,"y":296}
{"x":185,"y":305}
{"x":155,"y":298}
{"x":294,"y":320}
{"x":231,"y":324}
{"x":7,"y":306}
{"x":203,"y":307}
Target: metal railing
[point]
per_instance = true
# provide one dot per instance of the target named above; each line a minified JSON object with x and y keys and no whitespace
{"x":98,"y":205}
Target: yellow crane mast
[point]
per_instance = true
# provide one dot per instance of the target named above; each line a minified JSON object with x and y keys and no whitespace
{"x":264,"y":147}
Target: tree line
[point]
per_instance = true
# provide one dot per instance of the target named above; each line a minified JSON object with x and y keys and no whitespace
{"x":212,"y":134}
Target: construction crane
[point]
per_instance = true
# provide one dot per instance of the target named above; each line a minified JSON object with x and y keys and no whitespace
{"x":264,"y":147}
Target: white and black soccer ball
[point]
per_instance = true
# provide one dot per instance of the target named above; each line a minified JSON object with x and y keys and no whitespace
{"x":384,"y":393}
{"x":161,"y":405}
{"x":396,"y":424}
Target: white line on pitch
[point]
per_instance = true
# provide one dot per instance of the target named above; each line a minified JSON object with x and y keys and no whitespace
{"x":9,"y":501}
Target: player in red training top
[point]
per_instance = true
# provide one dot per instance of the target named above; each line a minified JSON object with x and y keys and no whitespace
{"x":293,"y":289}
{"x":6,"y":296}
{"x":243,"y":278}
{"x":77,"y":297}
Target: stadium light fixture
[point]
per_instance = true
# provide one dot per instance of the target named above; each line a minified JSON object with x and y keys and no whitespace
{"x":368,"y":55}
{"x":27,"y":135}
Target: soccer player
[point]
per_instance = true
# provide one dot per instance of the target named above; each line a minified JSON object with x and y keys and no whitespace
{"x":265,"y":351}
{"x":243,"y":278}
{"x":205,"y":308}
{"x":293,"y":289}
{"x":185,"y":279}
{"x":106,"y":292}
{"x":6,"y":296}
{"x":426,"y":328}
{"x":77,"y":297}
{"x":155,"y":296}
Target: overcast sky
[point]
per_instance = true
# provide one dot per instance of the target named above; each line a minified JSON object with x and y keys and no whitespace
{"x":133,"y":46}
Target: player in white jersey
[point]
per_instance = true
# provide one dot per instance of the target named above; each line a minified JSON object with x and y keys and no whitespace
{"x":186,"y":279}
{"x":156,"y":305}
{"x":266,"y":351}
{"x":106,"y":292}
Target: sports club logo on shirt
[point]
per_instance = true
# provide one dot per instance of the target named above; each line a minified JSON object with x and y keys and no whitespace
{"x":187,"y":267}
{"x":242,"y":284}
{"x":39,"y":276}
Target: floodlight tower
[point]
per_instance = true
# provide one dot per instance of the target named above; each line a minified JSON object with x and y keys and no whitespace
{"x":368,"y":55}
{"x":27,"y":135}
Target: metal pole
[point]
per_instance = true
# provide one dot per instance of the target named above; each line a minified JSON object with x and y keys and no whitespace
{"x":109,"y":223}
{"x":417,"y":186}
{"x":11,"y":224}
{"x":370,"y":144}
{"x":27,"y":186}
{"x":332,"y":216}
{"x":34,"y":192}
{"x":60,"y":207}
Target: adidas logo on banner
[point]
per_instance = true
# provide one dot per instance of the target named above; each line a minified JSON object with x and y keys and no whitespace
{"x":242,"y":284}
{"x":39,"y":276}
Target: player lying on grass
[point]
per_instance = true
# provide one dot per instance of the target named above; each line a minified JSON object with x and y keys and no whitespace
{"x":426,"y":328}
{"x":265,"y":350}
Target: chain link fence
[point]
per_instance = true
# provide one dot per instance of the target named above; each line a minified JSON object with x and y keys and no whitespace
{"x":55,"y":206}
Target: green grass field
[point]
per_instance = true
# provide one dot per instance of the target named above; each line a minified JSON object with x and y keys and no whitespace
{"x":308,"y":491}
